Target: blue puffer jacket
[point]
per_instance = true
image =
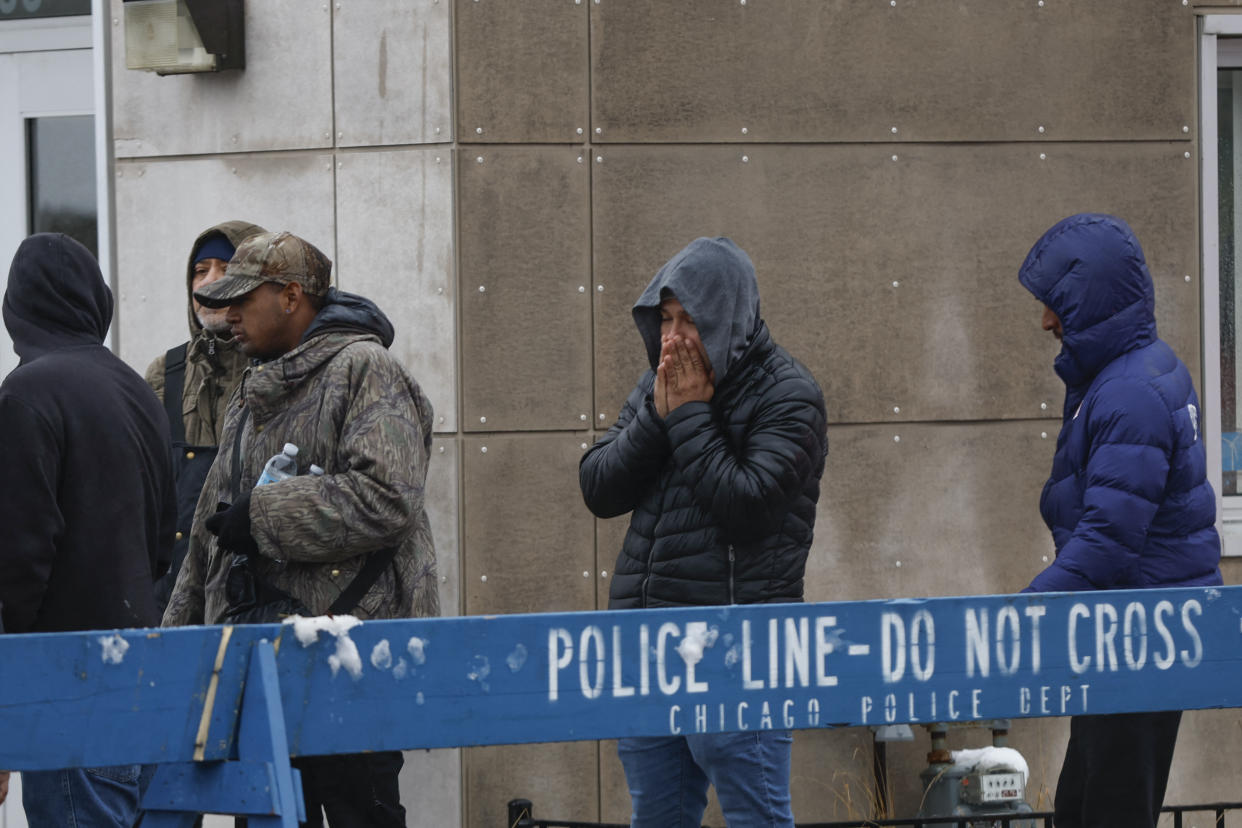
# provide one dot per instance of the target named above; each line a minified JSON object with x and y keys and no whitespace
{"x":1128,"y":502}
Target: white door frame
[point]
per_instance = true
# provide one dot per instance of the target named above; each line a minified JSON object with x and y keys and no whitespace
{"x":53,"y":66}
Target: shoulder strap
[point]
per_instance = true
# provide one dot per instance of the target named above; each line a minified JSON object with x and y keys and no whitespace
{"x":363,"y":581}
{"x":371,"y":570}
{"x":235,"y":481}
{"x":174,"y":386}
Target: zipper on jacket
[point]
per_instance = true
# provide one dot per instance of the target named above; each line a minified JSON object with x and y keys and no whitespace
{"x":732,"y":559}
{"x":646,"y":580}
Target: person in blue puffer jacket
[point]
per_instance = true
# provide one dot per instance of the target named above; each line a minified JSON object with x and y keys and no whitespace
{"x":1128,"y":500}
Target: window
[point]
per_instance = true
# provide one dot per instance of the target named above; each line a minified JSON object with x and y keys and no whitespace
{"x":60,"y":172}
{"x":1221,"y":150}
{"x":14,"y":9}
{"x":51,"y":142}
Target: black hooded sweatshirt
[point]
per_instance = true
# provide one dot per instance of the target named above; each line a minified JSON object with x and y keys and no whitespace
{"x":87,"y":502}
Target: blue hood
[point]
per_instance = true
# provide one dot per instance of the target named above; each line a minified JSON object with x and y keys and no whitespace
{"x":350,"y":312}
{"x":715,"y":282}
{"x":1090,"y":269}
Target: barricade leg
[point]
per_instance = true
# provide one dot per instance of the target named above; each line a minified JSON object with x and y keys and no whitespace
{"x":260,"y":784}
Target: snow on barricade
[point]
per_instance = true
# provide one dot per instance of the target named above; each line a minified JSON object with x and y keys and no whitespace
{"x":307,"y":630}
{"x":112,"y":648}
{"x":698,"y":638}
{"x":381,"y":655}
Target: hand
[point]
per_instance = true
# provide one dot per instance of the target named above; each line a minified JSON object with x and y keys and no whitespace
{"x":685,"y":373}
{"x":4,"y":786}
{"x":660,"y":392}
{"x":231,"y":524}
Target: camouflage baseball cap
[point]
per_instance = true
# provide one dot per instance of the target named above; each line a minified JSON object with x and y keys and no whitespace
{"x":269,"y":257}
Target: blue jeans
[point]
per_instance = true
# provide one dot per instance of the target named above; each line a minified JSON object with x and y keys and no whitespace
{"x":668,"y":778}
{"x":81,"y":797}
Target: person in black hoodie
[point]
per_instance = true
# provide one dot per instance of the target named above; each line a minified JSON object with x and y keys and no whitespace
{"x":88,"y":505}
{"x":718,"y":453}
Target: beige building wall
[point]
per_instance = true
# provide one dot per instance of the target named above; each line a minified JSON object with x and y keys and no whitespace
{"x":504,"y":177}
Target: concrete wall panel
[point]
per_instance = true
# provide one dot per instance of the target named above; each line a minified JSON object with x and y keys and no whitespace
{"x":395,"y":236}
{"x":917,"y":509}
{"x":392,"y":72}
{"x":281,"y":100}
{"x":443,"y":503}
{"x":430,"y":784}
{"x":529,"y":541}
{"x":895,"y":281}
{"x":561,"y":780}
{"x":609,"y":535}
{"x":431,"y":781}
{"x":522,"y":71}
{"x":1205,"y":745}
{"x":809,"y":70}
{"x":162,"y":206}
{"x":524,"y":287}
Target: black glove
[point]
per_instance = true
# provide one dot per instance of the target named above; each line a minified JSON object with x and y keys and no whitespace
{"x":232,"y":526}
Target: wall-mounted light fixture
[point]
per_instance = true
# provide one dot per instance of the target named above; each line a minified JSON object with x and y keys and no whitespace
{"x":172,"y":37}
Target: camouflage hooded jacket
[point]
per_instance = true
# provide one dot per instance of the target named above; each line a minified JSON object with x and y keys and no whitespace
{"x":352,"y":409}
{"x":213,"y":365}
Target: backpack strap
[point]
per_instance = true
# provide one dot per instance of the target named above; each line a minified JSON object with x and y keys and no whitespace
{"x":366,"y":577}
{"x":363,"y":581}
{"x":174,"y":386}
{"x":235,"y":481}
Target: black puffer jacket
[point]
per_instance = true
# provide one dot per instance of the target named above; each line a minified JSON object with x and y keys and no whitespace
{"x":723,"y":493}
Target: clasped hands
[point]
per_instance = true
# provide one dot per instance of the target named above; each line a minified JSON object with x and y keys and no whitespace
{"x":682,"y":375}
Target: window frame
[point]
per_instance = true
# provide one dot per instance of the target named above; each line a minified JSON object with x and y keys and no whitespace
{"x":1220,"y":47}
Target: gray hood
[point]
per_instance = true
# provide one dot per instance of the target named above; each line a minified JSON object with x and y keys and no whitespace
{"x":715,"y":282}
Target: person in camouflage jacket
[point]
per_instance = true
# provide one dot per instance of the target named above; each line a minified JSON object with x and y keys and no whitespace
{"x":331,"y":388}
{"x":207,"y":369}
{"x":213,"y":363}
{"x":325,"y":382}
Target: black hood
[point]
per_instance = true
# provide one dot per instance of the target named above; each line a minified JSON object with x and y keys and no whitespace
{"x":349,"y":312}
{"x":56,"y":297}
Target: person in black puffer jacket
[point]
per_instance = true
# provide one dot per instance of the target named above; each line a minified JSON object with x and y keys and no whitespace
{"x":718,"y":452}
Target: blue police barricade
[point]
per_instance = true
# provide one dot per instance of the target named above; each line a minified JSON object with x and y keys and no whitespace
{"x":221,"y":709}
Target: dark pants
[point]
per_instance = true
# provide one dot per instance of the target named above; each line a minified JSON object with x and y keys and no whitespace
{"x":1115,"y":771}
{"x":355,"y":790}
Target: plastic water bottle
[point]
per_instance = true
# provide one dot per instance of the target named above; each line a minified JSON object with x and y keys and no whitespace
{"x":316,"y":471}
{"x":281,"y":467}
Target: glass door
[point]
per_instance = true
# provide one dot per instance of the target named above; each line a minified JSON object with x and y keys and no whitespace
{"x":47,"y":133}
